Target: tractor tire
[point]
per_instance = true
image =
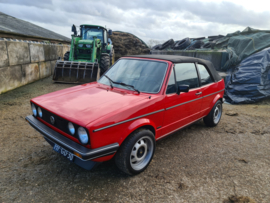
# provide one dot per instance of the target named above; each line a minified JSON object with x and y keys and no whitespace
{"x":66,"y":56}
{"x":112,"y":57}
{"x":104,"y":64}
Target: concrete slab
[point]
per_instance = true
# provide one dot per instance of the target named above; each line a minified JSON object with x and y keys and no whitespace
{"x":53,"y":66}
{"x":59,"y":49}
{"x":18,"y":53}
{"x":65,"y":49}
{"x":3,"y":54}
{"x":36,"y":53}
{"x":10,"y":78}
{"x":45,"y":69}
{"x":53,"y":52}
{"x":30,"y":73}
{"x":47,"y":51}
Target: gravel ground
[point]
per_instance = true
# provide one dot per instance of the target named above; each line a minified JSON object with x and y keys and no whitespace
{"x":196,"y":164}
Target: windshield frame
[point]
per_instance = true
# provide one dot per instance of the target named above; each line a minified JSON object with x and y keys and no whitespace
{"x":121,"y":87}
{"x":89,"y":27}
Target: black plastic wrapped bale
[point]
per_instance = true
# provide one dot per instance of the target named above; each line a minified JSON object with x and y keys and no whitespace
{"x":76,"y":72}
{"x":250,"y":81}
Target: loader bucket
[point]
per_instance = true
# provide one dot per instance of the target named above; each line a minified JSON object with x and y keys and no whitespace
{"x":76,"y":72}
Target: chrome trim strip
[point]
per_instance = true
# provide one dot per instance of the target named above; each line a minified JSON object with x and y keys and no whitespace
{"x":179,"y":128}
{"x":183,"y":103}
{"x":213,"y":93}
{"x":193,"y":100}
{"x":131,"y":119}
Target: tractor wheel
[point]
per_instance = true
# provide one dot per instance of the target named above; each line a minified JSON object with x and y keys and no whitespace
{"x":104,"y":64}
{"x":112,"y":57}
{"x":66,"y":56}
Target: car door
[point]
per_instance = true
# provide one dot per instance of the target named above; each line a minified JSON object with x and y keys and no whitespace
{"x":208,"y":88}
{"x":182,"y":109}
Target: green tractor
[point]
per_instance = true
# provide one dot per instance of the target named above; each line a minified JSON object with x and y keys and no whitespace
{"x":91,"y":54}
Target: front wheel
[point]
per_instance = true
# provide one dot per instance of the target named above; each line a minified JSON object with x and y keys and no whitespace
{"x":136,"y":152}
{"x":213,"y":118}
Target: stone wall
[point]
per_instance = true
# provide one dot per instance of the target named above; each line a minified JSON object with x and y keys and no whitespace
{"x":25,"y":62}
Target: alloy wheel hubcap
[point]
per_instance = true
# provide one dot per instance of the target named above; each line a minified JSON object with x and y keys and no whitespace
{"x":217,"y":113}
{"x":141,"y":153}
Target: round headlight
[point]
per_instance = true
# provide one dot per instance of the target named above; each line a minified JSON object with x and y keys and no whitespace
{"x":82,"y":135}
{"x":39,"y":112}
{"x":34,"y":110}
{"x":71,"y":128}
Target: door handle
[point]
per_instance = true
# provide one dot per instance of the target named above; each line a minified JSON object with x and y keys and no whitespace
{"x":198,"y":93}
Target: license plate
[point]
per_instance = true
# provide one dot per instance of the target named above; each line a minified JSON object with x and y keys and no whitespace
{"x":63,"y":152}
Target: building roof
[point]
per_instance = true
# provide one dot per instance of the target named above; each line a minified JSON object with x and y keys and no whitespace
{"x":11,"y":25}
{"x":184,"y":59}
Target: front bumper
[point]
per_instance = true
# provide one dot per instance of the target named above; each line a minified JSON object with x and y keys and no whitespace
{"x":53,"y":137}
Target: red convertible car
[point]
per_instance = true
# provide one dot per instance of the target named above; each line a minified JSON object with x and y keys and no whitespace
{"x":138,"y":101}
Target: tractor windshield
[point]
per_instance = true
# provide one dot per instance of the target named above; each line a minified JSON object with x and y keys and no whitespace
{"x":88,"y":33}
{"x":144,"y":75}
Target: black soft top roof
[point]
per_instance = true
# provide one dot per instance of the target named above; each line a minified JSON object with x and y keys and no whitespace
{"x":184,"y":59}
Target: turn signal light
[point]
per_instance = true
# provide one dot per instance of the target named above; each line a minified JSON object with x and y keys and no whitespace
{"x":77,"y":154}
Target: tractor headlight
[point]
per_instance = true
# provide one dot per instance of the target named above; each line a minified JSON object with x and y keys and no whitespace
{"x":34,"y":110}
{"x":80,"y":45}
{"x":71,"y":128}
{"x":88,"y":45}
{"x":83,"y":136}
{"x":39,"y":112}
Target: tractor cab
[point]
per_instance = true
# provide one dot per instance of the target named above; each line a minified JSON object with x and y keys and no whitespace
{"x":89,"y":57}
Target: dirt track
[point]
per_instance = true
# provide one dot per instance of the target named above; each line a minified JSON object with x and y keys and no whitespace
{"x":197,"y":164}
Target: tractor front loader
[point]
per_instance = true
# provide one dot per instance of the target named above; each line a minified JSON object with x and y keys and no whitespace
{"x":89,"y":57}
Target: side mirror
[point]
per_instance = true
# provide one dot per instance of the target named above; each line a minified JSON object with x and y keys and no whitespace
{"x":74,"y":30}
{"x":110,"y":32}
{"x":182,"y":88}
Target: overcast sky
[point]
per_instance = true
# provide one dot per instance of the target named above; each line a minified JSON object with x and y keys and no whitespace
{"x":148,"y":19}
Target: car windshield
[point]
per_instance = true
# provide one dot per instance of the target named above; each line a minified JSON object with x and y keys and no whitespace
{"x":88,"y":33}
{"x":144,"y":75}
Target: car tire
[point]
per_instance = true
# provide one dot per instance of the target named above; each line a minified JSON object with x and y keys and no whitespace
{"x":66,"y":56}
{"x":213,"y":118}
{"x":104,"y":64}
{"x":136,"y":152}
{"x":182,"y":44}
{"x":167,"y":44}
{"x":156,"y":47}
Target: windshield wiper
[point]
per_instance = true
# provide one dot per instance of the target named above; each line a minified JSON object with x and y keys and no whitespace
{"x":121,"y":83}
{"x":111,"y":82}
{"x":124,"y":84}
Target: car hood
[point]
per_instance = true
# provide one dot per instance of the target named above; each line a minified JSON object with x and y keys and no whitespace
{"x":86,"y":103}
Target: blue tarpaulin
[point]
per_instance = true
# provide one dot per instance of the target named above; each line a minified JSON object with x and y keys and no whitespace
{"x":249,"y":82}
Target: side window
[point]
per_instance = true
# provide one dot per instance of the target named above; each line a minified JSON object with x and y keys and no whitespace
{"x":205,"y":76}
{"x":171,"y":84}
{"x":186,"y":74}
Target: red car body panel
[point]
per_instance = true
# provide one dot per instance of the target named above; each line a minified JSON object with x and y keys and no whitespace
{"x":111,"y":115}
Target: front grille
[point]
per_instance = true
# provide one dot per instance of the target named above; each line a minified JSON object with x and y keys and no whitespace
{"x":84,"y":51}
{"x":59,"y":123}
